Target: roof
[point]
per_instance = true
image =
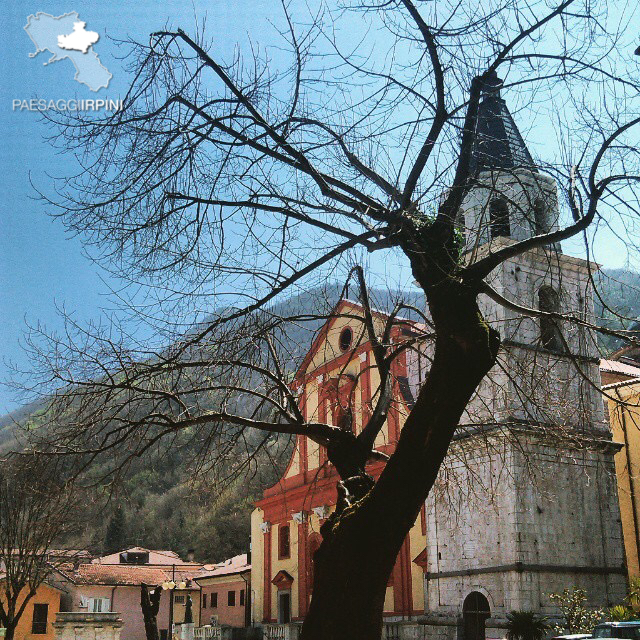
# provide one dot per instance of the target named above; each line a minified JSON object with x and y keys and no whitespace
{"x":123,"y":575}
{"x":237,"y":564}
{"x":45,"y":583}
{"x":156,"y":557}
{"x":497,"y":143}
{"x":615,"y":366}
{"x":71,"y":553}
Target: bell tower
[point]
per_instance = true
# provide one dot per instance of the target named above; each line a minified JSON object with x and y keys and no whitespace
{"x":527,"y":502}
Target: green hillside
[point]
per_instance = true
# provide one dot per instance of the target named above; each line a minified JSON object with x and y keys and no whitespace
{"x":177,"y":499}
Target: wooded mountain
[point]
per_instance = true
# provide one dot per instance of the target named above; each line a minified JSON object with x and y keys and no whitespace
{"x":167,"y":502}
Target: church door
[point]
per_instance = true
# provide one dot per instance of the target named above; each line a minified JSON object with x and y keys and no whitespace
{"x":475,"y":612}
{"x":284,"y":607}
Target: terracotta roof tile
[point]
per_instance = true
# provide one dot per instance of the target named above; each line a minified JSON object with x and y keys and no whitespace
{"x":112,"y":575}
{"x":237,"y":564}
{"x":614,"y":366}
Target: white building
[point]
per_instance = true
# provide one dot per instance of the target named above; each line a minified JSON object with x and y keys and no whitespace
{"x":527,"y":502}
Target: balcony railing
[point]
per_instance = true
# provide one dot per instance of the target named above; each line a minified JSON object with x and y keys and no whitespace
{"x":208,"y":632}
{"x":281,"y":631}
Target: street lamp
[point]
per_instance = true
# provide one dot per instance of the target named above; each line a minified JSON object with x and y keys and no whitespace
{"x":170,"y":586}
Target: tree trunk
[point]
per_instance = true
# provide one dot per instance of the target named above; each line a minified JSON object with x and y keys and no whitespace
{"x":360,"y":547}
{"x":150,"y":603}
{"x":10,"y":632}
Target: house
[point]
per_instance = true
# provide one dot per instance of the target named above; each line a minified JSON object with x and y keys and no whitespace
{"x":99,"y":588}
{"x":36,"y":623}
{"x":336,"y":384}
{"x":624,"y":413}
{"x":225,"y":593}
{"x":621,"y":390}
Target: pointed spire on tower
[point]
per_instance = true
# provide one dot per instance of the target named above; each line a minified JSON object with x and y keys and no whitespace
{"x":498,"y":144}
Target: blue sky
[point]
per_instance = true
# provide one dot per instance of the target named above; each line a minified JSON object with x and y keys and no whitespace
{"x":42,"y":268}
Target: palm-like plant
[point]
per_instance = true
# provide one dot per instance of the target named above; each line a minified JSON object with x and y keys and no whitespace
{"x":620,"y":613}
{"x":634,"y":591}
{"x":526,"y":625}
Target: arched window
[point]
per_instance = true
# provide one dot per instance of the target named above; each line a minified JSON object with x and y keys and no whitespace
{"x":541,"y":216}
{"x":340,"y":392}
{"x":549,"y":302}
{"x":499,"y":218}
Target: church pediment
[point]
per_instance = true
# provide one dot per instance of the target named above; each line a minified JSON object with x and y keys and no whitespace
{"x":283,"y":580}
{"x":421,"y":559}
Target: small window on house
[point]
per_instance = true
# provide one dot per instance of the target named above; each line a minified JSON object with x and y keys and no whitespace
{"x":284,"y":544}
{"x":40,"y":615}
{"x":346,"y":337}
{"x":242,"y":597}
{"x":231,"y":598}
{"x":179,"y":599}
{"x":499,"y":218}
{"x":204,"y":600}
{"x":549,"y":302}
{"x":98,"y":605}
{"x":214,"y":600}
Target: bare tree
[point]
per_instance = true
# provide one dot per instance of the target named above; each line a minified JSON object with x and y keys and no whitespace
{"x":37,"y":509}
{"x":150,"y":605}
{"x":231,"y":186}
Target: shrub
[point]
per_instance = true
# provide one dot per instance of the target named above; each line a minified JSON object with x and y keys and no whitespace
{"x":526,"y":625}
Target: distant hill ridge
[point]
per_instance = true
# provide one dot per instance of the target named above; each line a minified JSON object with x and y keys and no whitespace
{"x":160,"y":508}
{"x":620,"y":291}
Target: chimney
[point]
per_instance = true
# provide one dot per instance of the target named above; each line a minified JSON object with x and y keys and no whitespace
{"x":191,"y":555}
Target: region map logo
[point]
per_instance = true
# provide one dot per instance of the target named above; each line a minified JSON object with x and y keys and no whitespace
{"x":66,"y":36}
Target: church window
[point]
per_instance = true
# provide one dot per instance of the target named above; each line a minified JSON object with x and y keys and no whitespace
{"x":345,"y":419}
{"x":549,"y":302}
{"x":284,"y":544}
{"x":541,"y":216}
{"x":346,"y":336}
{"x":499,"y":218}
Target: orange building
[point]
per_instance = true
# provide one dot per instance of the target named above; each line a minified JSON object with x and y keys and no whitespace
{"x":36,"y":623}
{"x":337,"y":384}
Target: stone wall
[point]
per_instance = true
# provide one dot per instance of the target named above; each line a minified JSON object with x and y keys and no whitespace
{"x":88,"y":626}
{"x":516,"y":517}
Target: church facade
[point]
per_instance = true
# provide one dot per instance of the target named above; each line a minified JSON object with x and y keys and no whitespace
{"x":336,"y":384}
{"x":526,"y":503}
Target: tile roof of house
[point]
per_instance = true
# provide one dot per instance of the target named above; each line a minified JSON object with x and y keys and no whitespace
{"x":112,"y":575}
{"x":167,"y":557}
{"x":237,"y":564}
{"x":615,"y":366}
